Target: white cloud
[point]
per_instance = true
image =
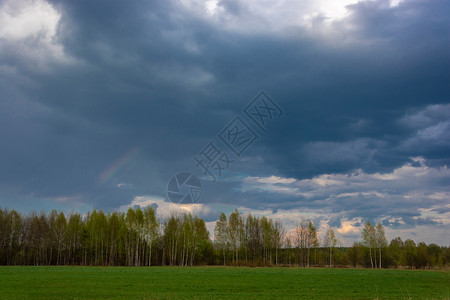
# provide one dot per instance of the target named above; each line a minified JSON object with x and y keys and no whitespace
{"x":123,"y":185}
{"x":407,"y":197}
{"x":407,"y":178}
{"x":29,"y":31}
{"x":252,"y":16}
{"x":421,"y":233}
{"x":394,"y":3}
{"x":322,"y":19}
{"x":325,"y":179}
{"x":22,"y":19}
{"x":349,"y":226}
{"x":272,"y":179}
{"x":166,"y":208}
{"x":269,"y":184}
{"x":412,"y":190}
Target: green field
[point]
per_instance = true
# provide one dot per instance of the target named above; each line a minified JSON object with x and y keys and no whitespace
{"x":220,"y":282}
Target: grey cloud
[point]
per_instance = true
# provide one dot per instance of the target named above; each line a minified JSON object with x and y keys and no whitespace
{"x":156,"y":77}
{"x":424,"y":118}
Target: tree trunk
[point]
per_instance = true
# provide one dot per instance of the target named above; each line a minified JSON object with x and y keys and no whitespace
{"x":308,"y":258}
{"x":331,"y":255}
{"x":150,"y":255}
{"x":380,"y":256}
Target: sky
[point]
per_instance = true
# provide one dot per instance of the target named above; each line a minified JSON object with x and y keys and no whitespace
{"x":103,"y":102}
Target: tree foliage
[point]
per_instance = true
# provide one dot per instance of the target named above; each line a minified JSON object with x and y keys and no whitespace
{"x":138,"y":237}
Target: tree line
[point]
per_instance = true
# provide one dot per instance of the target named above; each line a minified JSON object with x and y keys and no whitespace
{"x":139,"y":238}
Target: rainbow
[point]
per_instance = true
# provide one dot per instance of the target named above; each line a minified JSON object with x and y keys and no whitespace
{"x":117,"y":165}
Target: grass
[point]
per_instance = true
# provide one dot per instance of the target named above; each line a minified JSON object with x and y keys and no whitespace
{"x":220,"y":282}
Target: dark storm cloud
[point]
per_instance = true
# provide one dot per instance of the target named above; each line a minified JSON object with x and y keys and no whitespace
{"x":147,"y":85}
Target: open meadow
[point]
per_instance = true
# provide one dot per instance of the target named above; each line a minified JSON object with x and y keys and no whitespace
{"x":220,"y":282}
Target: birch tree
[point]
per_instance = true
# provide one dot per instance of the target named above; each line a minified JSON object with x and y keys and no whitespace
{"x":380,"y":239}
{"x":312,"y":240}
{"x":330,"y":241}
{"x":150,"y":230}
{"x":278,"y":235}
{"x":235,"y":230}
{"x":221,"y":235}
{"x":369,"y":240}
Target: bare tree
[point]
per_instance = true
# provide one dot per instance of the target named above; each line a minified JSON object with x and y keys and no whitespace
{"x":301,"y":240}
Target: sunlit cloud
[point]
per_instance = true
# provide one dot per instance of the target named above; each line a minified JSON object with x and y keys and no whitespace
{"x":165,"y":208}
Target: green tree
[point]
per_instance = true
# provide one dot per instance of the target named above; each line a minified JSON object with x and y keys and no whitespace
{"x":312,"y":241}
{"x":267,"y":243}
{"x":330,"y":241}
{"x":354,"y":254}
{"x":235,"y":232}
{"x":409,"y":253}
{"x":201,"y":242}
{"x":150,"y":230}
{"x":422,"y":259}
{"x":74,"y":237}
{"x":221,"y":235}
{"x":380,"y":240}
{"x":59,"y":229}
{"x":278,"y":233}
{"x":370,"y":241}
{"x":395,"y":248}
{"x":172,"y":230}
